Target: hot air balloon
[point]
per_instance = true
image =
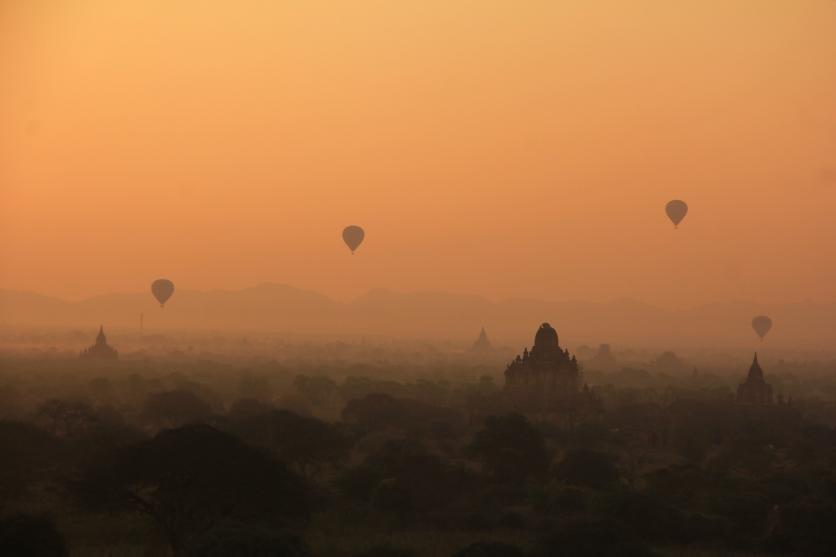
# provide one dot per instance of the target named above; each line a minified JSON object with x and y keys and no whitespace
{"x":676,"y":211}
{"x":162,"y":289}
{"x":761,"y":324}
{"x":353,"y":237}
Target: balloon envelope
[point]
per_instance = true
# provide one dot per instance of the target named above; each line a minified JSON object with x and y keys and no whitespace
{"x":353,"y":237}
{"x":676,"y":211}
{"x":162,"y":289}
{"x":761,"y":324}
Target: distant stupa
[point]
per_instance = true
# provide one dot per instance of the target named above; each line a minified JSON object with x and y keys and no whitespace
{"x":668,"y":361}
{"x":101,"y":350}
{"x":483,"y":343}
{"x":604,"y":359}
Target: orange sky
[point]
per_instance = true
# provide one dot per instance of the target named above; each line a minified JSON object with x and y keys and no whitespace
{"x":492,"y":147}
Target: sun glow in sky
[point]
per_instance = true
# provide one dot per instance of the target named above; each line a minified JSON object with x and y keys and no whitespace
{"x":509,"y":149}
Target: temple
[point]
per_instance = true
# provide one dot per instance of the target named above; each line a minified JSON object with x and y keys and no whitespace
{"x":546,"y":379}
{"x":482,"y":344}
{"x":101,"y":350}
{"x":604,"y":360}
{"x":755,"y":390}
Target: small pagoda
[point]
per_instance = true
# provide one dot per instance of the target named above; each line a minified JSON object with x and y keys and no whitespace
{"x":482,"y":343}
{"x":755,"y":390}
{"x":101,"y":350}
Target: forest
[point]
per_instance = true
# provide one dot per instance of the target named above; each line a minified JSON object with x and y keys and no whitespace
{"x":385,"y":449}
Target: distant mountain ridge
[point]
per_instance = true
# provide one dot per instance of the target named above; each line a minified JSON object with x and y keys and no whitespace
{"x":283,"y":308}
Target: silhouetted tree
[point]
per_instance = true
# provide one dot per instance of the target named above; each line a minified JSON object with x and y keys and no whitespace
{"x":66,"y":419}
{"x":405,"y":480}
{"x":30,"y":536}
{"x":175,"y":408}
{"x":241,"y":540}
{"x":101,"y":387}
{"x":191,"y":478}
{"x":301,"y":441}
{"x":386,"y":551}
{"x":378,"y":411}
{"x":678,"y":484}
{"x":316,"y":390}
{"x":553,"y":499}
{"x":652,"y":518}
{"x":248,"y":408}
{"x":10,"y":407}
{"x":804,"y":527}
{"x":590,"y":435}
{"x":511,"y":448}
{"x":25,"y":450}
{"x":588,"y":468}
{"x":698,"y":425}
{"x":591,"y":538}
{"x":255,"y":386}
{"x":490,"y":549}
{"x":745,"y":507}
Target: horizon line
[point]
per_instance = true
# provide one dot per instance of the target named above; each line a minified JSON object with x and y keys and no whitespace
{"x":490,"y":300}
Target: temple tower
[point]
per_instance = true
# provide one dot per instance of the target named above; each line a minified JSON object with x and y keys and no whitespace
{"x":755,"y":390}
{"x":101,"y":350}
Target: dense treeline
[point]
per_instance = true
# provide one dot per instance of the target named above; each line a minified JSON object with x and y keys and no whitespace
{"x":200,"y":458}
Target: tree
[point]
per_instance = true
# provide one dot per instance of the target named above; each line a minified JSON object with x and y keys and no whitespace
{"x":245,"y":409}
{"x":102,"y":388}
{"x":190,"y":479}
{"x":490,"y":549}
{"x":553,"y":498}
{"x":301,"y":441}
{"x":255,"y":386}
{"x":239,"y":540}
{"x":66,"y":419}
{"x":805,"y":527}
{"x":588,"y":468}
{"x":511,"y":448}
{"x":10,"y":400}
{"x":174,"y":409}
{"x":407,"y":481}
{"x":386,"y":551}
{"x":653,"y":518}
{"x":318,"y":390}
{"x":591,"y":538}
{"x":30,"y":536}
{"x":25,"y":450}
{"x":378,"y":411}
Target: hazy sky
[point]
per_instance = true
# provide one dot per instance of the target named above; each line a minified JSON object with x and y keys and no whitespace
{"x":496,"y":147}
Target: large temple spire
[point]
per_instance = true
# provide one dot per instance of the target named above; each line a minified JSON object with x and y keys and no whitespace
{"x":755,"y":390}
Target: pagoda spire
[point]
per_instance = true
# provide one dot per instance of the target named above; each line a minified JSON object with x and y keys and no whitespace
{"x":101,"y":348}
{"x":755,"y":371}
{"x":755,"y":390}
{"x":482,"y":341}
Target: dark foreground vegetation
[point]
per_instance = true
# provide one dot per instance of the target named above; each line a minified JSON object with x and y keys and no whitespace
{"x":189,"y":457}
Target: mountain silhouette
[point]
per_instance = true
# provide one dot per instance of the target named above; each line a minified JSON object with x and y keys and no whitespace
{"x":282,"y":308}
